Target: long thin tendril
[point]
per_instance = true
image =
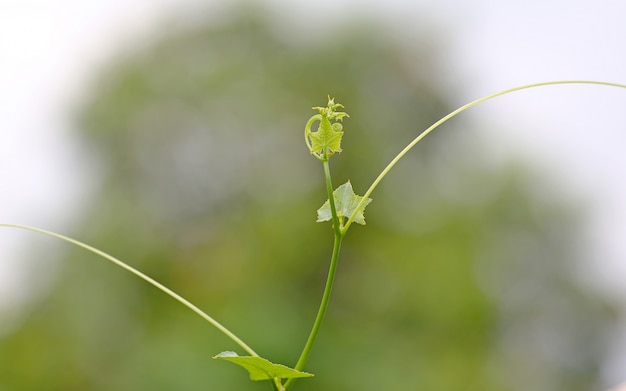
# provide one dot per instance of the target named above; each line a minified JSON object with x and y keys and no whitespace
{"x":146,"y":278}
{"x":461,"y":109}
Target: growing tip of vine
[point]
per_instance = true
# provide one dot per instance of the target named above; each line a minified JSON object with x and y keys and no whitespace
{"x":327,"y":139}
{"x":330,"y":111}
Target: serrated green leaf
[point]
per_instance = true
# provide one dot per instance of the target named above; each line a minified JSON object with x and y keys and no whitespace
{"x":260,"y":368}
{"x":346,"y":203}
{"x":326,"y":138}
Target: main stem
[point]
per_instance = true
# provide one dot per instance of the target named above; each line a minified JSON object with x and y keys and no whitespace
{"x":329,"y":280}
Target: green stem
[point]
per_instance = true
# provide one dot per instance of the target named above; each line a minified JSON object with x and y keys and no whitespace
{"x":277,"y":384}
{"x":329,"y":280}
{"x":322,"y":310}
{"x":453,"y":114}
{"x":331,"y":199}
{"x":150,"y":280}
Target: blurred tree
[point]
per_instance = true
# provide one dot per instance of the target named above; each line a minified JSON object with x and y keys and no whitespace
{"x":462,"y":280}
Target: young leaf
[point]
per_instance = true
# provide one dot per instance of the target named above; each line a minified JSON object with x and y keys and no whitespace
{"x":327,"y":138}
{"x":346,"y":203}
{"x":260,"y":368}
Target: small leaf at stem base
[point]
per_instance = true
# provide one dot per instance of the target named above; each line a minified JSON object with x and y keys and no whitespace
{"x":260,"y":368}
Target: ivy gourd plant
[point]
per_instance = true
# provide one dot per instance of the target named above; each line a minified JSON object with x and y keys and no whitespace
{"x":342,"y":208}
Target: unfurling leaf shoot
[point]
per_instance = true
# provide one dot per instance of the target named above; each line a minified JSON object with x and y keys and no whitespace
{"x":327,"y":139}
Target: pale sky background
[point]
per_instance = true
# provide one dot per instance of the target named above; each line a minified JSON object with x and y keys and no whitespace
{"x":51,"y":51}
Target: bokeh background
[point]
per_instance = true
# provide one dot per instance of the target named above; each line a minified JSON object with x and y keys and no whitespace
{"x":170,"y":135}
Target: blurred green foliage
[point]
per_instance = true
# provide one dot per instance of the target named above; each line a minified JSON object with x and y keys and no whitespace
{"x":463,"y":278}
